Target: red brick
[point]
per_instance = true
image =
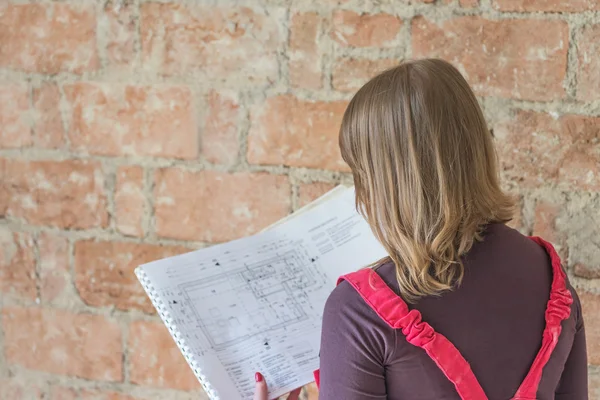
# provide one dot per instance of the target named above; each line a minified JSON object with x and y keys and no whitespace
{"x":365,"y":30}
{"x":588,"y":75}
{"x":220,"y":42}
{"x":62,"y":393}
{"x":519,"y":58}
{"x":580,"y":166}
{"x":546,"y":5}
{"x":118,"y":120}
{"x":22,"y":126}
{"x":49,"y":129}
{"x":308,"y":192}
{"x":220,"y":142}
{"x":66,"y":194}
{"x":119,"y":21}
{"x":544,"y":223}
{"x":48,"y":38}
{"x":17,"y":265}
{"x":215,"y":206}
{"x":349,"y":74}
{"x":305,"y":63}
{"x":594,"y":383}
{"x":130,"y":202}
{"x":105,"y":395}
{"x":15,"y":125}
{"x":590,"y":303}
{"x":545,"y":226}
{"x":55,"y":274}
{"x":299,"y":133}
{"x":81,"y":345}
{"x":104,"y":272}
{"x":538,"y":149}
{"x":17,"y":389}
{"x":587,"y":271}
{"x":155,"y":360}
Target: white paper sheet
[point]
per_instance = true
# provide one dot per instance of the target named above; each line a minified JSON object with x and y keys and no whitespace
{"x":255,"y":304}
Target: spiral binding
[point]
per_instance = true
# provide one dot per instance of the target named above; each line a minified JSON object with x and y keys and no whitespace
{"x":165,"y":316}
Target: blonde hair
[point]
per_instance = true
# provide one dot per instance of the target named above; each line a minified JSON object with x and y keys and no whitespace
{"x":424,"y":168}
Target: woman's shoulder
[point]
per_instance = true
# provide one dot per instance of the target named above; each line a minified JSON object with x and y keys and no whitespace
{"x":345,"y":300}
{"x":342,"y":298}
{"x":347,"y":317}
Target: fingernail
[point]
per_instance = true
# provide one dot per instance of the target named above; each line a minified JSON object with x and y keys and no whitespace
{"x":258,"y":377}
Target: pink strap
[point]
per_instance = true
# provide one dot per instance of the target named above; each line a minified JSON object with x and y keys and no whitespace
{"x":557,"y":310}
{"x":394,"y":311}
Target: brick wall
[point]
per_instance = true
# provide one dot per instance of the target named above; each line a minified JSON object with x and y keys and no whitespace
{"x":133,"y":130}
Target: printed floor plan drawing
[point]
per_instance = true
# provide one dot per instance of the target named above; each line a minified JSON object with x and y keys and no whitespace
{"x":259,"y":296}
{"x":256,"y":303}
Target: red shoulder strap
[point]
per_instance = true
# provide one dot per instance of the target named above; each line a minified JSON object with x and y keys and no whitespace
{"x":394,"y":311}
{"x":557,"y":310}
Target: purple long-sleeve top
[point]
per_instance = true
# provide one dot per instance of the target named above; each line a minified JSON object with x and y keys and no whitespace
{"x":495,"y":319}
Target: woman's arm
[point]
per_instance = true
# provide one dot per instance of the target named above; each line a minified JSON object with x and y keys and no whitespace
{"x":574,"y":380}
{"x":354,"y":343}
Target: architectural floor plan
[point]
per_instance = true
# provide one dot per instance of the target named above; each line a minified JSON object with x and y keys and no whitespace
{"x":256,"y":304}
{"x":260,"y":297}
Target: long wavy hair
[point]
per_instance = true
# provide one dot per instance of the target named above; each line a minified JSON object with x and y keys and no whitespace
{"x":425,"y":171}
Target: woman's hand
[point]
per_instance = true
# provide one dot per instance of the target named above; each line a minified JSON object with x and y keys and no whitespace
{"x":261,"y":391}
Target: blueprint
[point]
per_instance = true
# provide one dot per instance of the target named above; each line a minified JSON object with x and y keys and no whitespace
{"x":256,"y":304}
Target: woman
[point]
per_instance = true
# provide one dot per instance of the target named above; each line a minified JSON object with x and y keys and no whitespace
{"x":464,"y":307}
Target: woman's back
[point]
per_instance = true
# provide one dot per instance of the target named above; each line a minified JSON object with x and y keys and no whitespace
{"x":495,"y":319}
{"x":427,"y":182}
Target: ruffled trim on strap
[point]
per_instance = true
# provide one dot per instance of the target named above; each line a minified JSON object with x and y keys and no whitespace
{"x":557,"y":310}
{"x":395,"y":312}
